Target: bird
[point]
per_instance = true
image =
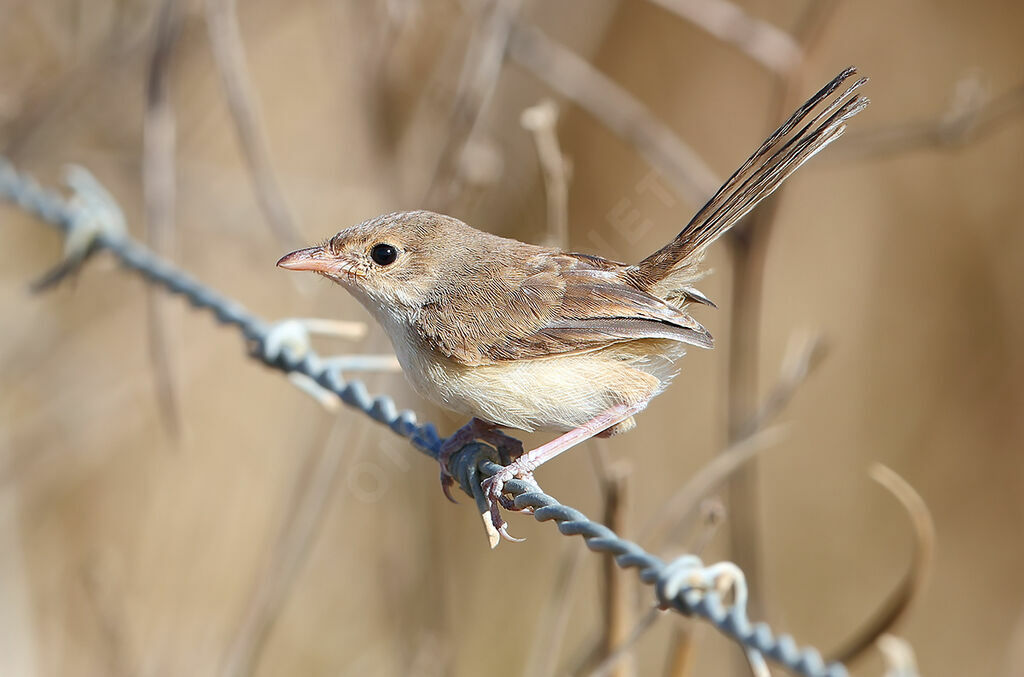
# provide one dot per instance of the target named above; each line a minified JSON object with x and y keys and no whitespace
{"x":534,"y":338}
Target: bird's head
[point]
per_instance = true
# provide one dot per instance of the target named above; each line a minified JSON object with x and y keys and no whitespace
{"x":392,"y":263}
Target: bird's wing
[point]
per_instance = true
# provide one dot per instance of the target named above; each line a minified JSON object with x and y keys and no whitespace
{"x":555,"y":304}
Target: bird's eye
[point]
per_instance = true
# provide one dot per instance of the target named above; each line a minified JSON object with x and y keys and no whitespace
{"x":383,"y":254}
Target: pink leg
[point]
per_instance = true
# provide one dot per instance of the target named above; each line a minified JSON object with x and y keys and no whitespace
{"x":524,"y":466}
{"x":476,"y":429}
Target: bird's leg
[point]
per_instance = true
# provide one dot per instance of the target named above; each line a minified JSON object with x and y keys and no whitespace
{"x":524,"y":466}
{"x":477,"y":429}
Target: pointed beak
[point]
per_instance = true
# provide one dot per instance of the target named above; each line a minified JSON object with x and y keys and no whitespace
{"x":313,"y":258}
{"x":319,"y":260}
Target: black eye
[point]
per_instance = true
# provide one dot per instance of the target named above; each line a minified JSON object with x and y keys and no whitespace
{"x":383,"y":254}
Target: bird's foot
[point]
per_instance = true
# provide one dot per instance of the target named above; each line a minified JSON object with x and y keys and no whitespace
{"x":497,"y":498}
{"x":508,"y":447}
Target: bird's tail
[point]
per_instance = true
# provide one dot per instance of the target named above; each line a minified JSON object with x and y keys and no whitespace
{"x":672,"y":268}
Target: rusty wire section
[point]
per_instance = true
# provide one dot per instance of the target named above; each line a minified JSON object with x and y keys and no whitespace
{"x":91,"y":220}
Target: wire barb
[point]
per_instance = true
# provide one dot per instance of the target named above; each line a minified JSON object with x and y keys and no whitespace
{"x":685,"y":585}
{"x":296,"y":335}
{"x":93,"y":214}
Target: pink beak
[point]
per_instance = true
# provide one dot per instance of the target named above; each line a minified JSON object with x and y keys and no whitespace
{"x":312,"y":258}
{"x":319,"y":260}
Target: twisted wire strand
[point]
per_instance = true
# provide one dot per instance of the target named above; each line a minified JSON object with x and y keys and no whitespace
{"x":685,"y":585}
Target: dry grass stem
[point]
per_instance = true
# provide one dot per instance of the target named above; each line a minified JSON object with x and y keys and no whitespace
{"x":804,"y":354}
{"x":682,"y":650}
{"x":749,"y":240}
{"x":684,"y":504}
{"x":159,"y":191}
{"x":711,"y":516}
{"x":681,"y":644}
{"x":303,"y":516}
{"x":605,"y":667}
{"x":229,"y":55}
{"x":615,"y":602}
{"x":542,"y":121}
{"x":771,"y":47}
{"x":549,"y":633}
{"x":56,"y":99}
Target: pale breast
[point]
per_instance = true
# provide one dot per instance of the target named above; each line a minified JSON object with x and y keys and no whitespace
{"x":557,"y":393}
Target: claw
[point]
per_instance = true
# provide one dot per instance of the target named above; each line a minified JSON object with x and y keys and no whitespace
{"x":507,"y":536}
{"x":447,"y":482}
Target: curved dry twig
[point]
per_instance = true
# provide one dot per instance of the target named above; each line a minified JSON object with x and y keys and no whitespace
{"x":898,"y":602}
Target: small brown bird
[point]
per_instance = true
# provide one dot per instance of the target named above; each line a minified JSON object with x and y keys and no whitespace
{"x":534,"y":338}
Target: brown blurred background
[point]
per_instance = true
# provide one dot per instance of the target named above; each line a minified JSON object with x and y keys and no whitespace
{"x":207,"y":518}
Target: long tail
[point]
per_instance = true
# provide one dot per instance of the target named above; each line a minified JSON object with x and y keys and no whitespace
{"x":674,"y":266}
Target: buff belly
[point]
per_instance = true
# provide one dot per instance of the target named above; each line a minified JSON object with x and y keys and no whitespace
{"x":556,"y":393}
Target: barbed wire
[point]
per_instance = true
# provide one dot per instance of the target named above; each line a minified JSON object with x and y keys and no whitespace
{"x":90,"y":220}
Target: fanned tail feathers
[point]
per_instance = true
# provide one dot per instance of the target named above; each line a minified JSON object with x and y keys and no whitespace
{"x":673,"y":267}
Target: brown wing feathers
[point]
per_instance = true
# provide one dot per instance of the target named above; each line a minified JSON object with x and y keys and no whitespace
{"x":596,"y":308}
{"x":756,"y":179}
